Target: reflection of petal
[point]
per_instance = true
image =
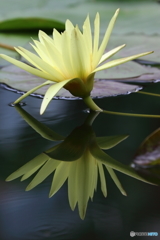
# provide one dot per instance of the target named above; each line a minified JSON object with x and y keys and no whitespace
{"x":84,"y":182}
{"x":60,"y":176}
{"x":39,"y":127}
{"x":44,"y":172}
{"x":33,"y":166}
{"x":110,"y":141}
{"x":116,"y":180}
{"x":110,"y":162}
{"x":102,"y":178}
{"x":72,"y":187}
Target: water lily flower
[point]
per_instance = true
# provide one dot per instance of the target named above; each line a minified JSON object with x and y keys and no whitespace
{"x":70,"y":59}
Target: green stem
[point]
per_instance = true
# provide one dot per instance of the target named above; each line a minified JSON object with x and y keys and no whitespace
{"x":151,"y":94}
{"x":91,"y":104}
{"x":132,"y":114}
{"x":91,"y":117}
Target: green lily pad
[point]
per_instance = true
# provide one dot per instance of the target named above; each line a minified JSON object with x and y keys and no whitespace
{"x":13,"y":40}
{"x":147,"y":159}
{"x":30,"y":23}
{"x":135,"y":16}
{"x":23,"y":81}
{"x":148,"y":153}
{"x":136,"y":44}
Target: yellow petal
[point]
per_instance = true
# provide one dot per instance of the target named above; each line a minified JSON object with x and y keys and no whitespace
{"x":96,"y":40}
{"x":66,"y":46}
{"x":111,"y":53}
{"x":95,"y":177}
{"x":60,"y":177}
{"x":31,"y":91}
{"x":83,"y":184}
{"x":51,"y":93}
{"x":120,"y":61}
{"x":80,"y":55}
{"x":27,"y":68}
{"x":43,"y":35}
{"x":72,"y":185}
{"x":40,"y":50}
{"x":57,"y":38}
{"x":39,"y":63}
{"x":87,"y":34}
{"x":107,"y":36}
{"x":38,"y":161}
{"x":69,"y":26}
{"x":116,"y":180}
{"x":43,"y":173}
{"x":102,"y":179}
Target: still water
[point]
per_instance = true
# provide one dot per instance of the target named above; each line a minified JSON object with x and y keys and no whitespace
{"x":32,"y":215}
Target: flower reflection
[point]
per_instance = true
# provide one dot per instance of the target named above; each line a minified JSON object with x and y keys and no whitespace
{"x":79,"y":160}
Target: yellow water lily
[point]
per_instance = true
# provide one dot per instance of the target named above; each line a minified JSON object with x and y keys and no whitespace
{"x":70,"y":59}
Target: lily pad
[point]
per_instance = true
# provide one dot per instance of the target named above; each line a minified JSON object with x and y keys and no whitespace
{"x":136,"y":44}
{"x":21,"y":81}
{"x":135,"y":16}
{"x":148,"y":153}
{"x":13,"y":40}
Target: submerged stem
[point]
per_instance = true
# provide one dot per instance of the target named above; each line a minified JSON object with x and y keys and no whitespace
{"x":91,"y":104}
{"x":151,"y":94}
{"x":132,"y":114}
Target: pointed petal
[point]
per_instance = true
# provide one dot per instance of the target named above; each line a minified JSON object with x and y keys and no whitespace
{"x":110,"y":162}
{"x":56,"y":60}
{"x":43,"y":173}
{"x":69,"y":26}
{"x":80,"y":55}
{"x":95,"y":177}
{"x":40,"y":50}
{"x":31,"y":91}
{"x":84,"y":181}
{"x":40,"y":64}
{"x":116,"y":180}
{"x":51,"y":93}
{"x":87,"y":34}
{"x":60,"y":177}
{"x":39,"y":127}
{"x":67,"y":56}
{"x":33,"y":164}
{"x":110,"y":141}
{"x":96,"y":40}
{"x":107,"y":36}
{"x":27,"y":68}
{"x":102,"y":179}
{"x":111,"y":53}
{"x":43,"y":35}
{"x":57,"y":38}
{"x":120,"y":61}
{"x":72,"y":185}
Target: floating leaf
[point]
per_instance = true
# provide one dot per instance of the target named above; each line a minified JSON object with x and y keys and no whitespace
{"x":13,"y":40}
{"x":136,"y":43}
{"x":148,"y":153}
{"x":22,"y":81}
{"x":133,"y":17}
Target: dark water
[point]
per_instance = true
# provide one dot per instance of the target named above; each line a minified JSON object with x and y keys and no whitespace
{"x":32,"y":215}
